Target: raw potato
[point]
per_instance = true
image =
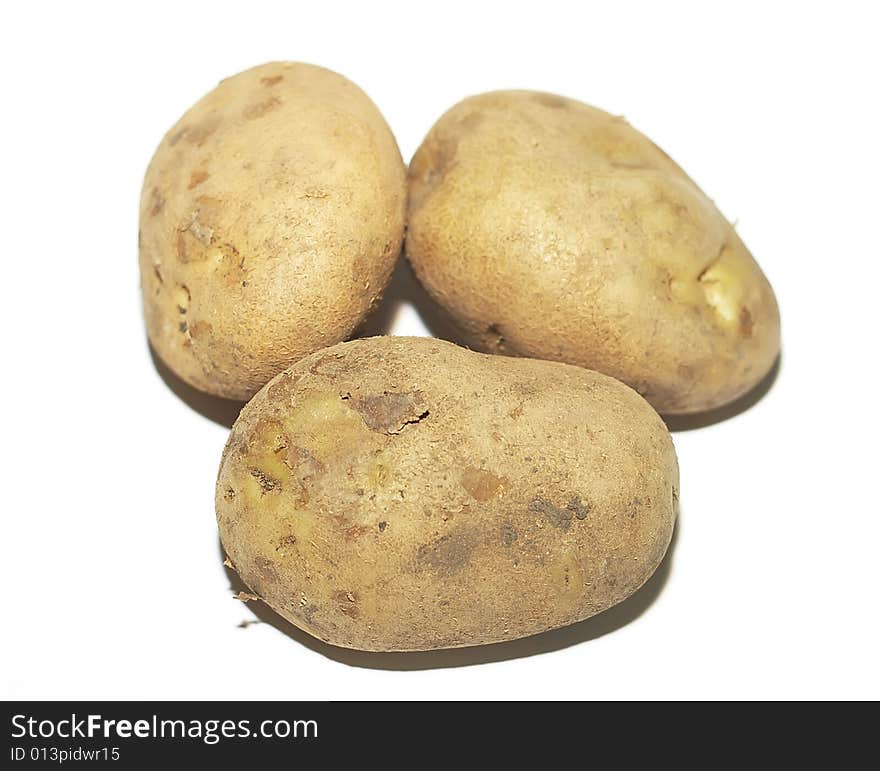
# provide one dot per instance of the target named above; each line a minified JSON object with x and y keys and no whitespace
{"x":271,"y":218}
{"x":551,"y":229}
{"x":395,"y":494}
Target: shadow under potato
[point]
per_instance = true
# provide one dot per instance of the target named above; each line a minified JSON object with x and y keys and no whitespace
{"x":405,"y":288}
{"x":216,"y":408}
{"x":590,"y":629}
{"x":727,"y":411}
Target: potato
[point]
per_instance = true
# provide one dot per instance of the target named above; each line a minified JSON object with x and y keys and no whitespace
{"x":551,"y":229}
{"x":272,"y":215}
{"x":393,"y":494}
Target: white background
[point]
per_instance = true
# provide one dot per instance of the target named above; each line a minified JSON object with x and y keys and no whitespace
{"x":112,"y":579}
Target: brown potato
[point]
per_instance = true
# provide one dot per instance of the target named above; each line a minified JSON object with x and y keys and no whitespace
{"x":395,"y":494}
{"x":272,"y":216}
{"x":551,"y":229}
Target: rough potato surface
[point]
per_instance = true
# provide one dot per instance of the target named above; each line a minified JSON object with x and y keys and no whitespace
{"x":395,"y":494}
{"x":551,"y":229}
{"x":271,"y":218}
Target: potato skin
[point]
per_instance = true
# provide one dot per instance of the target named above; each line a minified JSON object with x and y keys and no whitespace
{"x":393,"y":494}
{"x":551,"y":229}
{"x":272,"y":215}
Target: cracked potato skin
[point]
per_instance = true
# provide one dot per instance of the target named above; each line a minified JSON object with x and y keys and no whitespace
{"x":548,"y":228}
{"x":395,"y":494}
{"x":271,"y":217}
